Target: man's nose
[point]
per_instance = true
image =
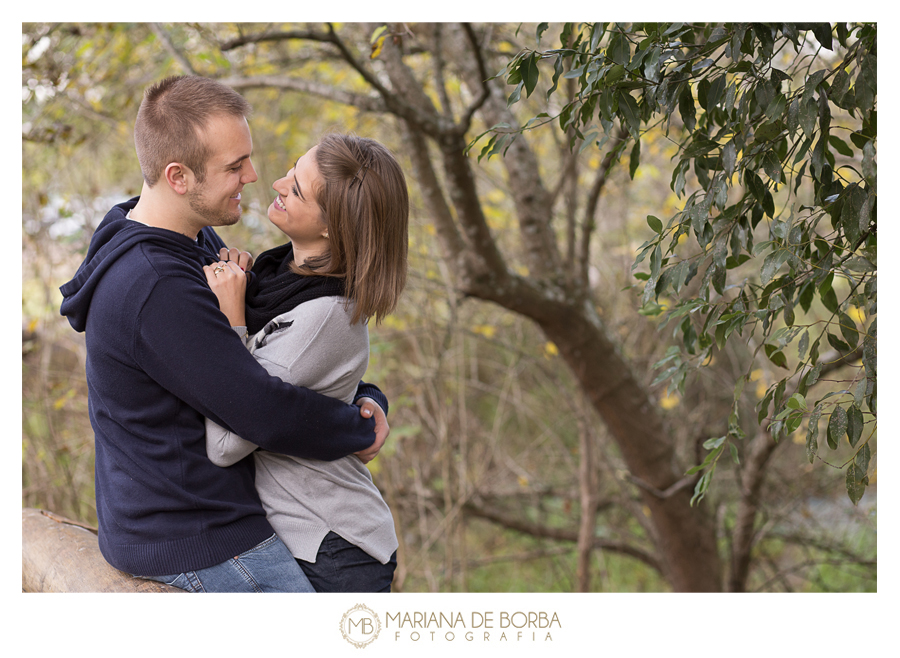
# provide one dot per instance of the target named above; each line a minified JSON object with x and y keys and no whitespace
{"x":250,"y":176}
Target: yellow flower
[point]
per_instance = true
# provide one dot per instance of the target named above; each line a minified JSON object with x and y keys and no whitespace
{"x":856,"y":314}
{"x":485,"y":330}
{"x":668,"y":401}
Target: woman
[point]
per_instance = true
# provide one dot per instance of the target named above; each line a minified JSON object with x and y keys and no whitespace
{"x":344,"y":207}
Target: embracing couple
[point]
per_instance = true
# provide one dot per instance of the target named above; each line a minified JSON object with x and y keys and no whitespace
{"x":231,"y":423}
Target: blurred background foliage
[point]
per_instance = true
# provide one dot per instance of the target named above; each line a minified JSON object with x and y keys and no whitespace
{"x":497,"y":461}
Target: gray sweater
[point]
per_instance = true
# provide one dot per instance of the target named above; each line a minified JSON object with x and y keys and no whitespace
{"x":315,"y":347}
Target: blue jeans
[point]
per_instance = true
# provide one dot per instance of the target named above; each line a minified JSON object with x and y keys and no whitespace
{"x":267,"y":567}
{"x":342,"y":567}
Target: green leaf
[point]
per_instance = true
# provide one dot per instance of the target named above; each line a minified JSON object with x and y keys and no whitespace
{"x":848,"y":329}
{"x":862,"y":458}
{"x":840,"y":146}
{"x":772,"y":165}
{"x":776,"y":108}
{"x":729,"y":157}
{"x":776,"y":356}
{"x":793,"y":118}
{"x":772,"y":263}
{"x":619,"y":50}
{"x":808,"y":114}
{"x":687,"y":109}
{"x":515,"y":95}
{"x":837,"y":427}
{"x":797,"y":401}
{"x":838,"y":344}
{"x":615,"y":74}
{"x":655,"y":224}
{"x":829,"y":299}
{"x":530,"y":73}
{"x":869,"y":167}
{"x":803,"y":345}
{"x":854,"y":425}
{"x":635,"y":159}
{"x":860,"y":393}
{"x":823,"y":34}
{"x":860,"y":264}
{"x":812,"y":433}
{"x":655,"y":262}
{"x":857,"y":481}
{"x":714,"y":94}
{"x":629,"y":108}
{"x":815,"y":371}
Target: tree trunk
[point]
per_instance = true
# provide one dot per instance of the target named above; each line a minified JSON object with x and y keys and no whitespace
{"x":587,"y":493}
{"x":59,"y":555}
{"x":686,"y":534}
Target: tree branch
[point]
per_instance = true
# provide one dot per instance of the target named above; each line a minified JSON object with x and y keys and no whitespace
{"x":466,"y":121}
{"x":531,"y":199}
{"x":593,"y":199}
{"x":452,"y":243}
{"x":559,"y":534}
{"x":365,"y":103}
{"x":287,"y":35}
{"x":438,"y":68}
{"x":306,"y":35}
{"x":392,"y":101}
{"x":669,"y":492}
{"x":179,"y":56}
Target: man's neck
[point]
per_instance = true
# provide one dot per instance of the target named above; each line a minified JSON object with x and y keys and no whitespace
{"x":153,"y":209}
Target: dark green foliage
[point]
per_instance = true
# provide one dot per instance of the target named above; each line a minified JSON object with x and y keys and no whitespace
{"x":779,"y":195}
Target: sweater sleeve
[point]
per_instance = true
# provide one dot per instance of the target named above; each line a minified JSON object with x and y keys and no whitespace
{"x":371,"y":391}
{"x":183,"y":341}
{"x":317,"y":349}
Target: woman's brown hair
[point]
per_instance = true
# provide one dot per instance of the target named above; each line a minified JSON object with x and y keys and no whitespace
{"x":365,"y":207}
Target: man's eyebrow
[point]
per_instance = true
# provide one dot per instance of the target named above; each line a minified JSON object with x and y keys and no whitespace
{"x":236,"y":162}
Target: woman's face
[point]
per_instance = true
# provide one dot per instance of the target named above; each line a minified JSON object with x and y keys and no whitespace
{"x":295,"y":210}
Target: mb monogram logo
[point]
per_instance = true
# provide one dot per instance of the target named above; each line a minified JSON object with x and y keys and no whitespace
{"x":360,"y":626}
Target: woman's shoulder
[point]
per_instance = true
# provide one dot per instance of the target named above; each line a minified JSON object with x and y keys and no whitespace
{"x":320,"y":322}
{"x":333,"y":307}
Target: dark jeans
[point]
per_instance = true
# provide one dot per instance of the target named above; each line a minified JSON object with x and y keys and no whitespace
{"x":342,"y":567}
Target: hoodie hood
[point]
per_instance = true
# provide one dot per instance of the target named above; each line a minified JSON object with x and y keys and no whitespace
{"x":114,"y":237}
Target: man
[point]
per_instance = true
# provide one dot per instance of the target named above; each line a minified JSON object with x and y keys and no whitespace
{"x":161,"y":356}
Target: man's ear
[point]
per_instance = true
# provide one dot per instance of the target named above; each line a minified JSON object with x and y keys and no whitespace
{"x":179,"y":177}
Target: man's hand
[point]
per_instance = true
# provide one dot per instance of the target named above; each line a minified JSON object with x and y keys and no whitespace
{"x":368,"y":408}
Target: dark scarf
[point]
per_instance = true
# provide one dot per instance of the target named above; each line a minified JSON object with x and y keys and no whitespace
{"x":274,"y":289}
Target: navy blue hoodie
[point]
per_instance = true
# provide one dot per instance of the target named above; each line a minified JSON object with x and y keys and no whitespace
{"x":161,"y":356}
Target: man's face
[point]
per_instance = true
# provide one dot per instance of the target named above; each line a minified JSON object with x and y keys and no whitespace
{"x":217,"y":200}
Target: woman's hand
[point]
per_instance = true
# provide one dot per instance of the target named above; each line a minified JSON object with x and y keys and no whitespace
{"x":228,"y":281}
{"x":242,"y":259}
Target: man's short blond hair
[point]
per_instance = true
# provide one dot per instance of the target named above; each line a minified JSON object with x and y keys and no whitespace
{"x":171,"y":122}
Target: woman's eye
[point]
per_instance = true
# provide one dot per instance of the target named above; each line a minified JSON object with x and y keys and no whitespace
{"x":295,"y":190}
